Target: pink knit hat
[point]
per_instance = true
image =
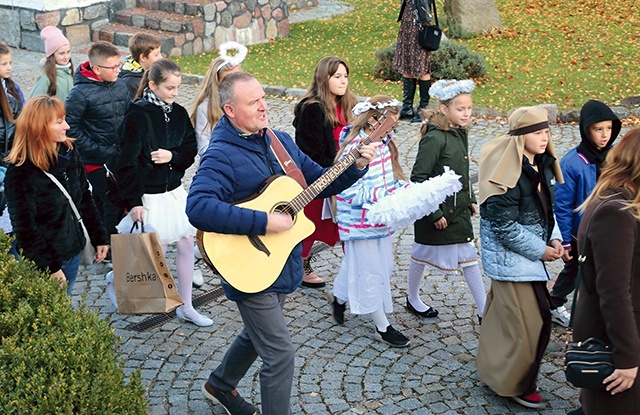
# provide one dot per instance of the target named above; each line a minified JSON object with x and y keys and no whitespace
{"x":53,"y":39}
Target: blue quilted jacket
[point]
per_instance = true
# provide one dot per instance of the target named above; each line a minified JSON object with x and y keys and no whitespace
{"x":233,"y":167}
{"x":515,"y":229}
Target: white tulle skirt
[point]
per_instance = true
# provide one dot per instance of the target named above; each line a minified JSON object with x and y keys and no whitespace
{"x":165,"y":212}
{"x":446,"y":258}
{"x":364,"y":276}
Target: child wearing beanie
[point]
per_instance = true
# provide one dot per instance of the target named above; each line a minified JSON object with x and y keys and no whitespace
{"x":56,"y":78}
{"x":516,"y":179}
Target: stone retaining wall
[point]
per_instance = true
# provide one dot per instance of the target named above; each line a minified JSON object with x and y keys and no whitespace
{"x":77,"y":23}
{"x":245,"y":21}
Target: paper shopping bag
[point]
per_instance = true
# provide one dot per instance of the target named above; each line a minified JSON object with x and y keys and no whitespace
{"x":142,"y":279}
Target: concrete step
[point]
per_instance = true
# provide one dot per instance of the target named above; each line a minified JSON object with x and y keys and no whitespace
{"x":160,"y":20}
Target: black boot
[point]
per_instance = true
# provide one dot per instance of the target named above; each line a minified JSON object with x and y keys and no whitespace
{"x":424,"y":99}
{"x":408,"y":91}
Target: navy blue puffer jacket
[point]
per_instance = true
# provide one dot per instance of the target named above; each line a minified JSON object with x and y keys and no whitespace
{"x":95,"y":109}
{"x":233,"y":168}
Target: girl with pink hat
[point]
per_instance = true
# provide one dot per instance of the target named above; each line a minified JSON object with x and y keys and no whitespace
{"x":56,"y":78}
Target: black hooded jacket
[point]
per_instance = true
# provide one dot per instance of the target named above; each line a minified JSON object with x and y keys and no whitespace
{"x":591,"y":113}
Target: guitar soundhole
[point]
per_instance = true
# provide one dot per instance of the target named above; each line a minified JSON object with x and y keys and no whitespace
{"x":286,"y":210}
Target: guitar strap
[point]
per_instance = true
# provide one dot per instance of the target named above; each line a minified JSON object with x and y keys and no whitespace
{"x":288,"y":165}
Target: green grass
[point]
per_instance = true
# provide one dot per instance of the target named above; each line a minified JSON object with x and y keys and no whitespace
{"x":549,"y":51}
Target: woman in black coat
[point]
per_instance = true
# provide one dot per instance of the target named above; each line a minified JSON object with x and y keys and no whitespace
{"x":609,"y":292}
{"x":45,"y":225}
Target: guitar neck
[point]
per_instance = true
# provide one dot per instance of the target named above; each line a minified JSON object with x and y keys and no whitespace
{"x":307,"y":195}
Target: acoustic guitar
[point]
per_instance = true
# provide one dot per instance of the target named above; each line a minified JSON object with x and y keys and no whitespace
{"x":251,"y":263}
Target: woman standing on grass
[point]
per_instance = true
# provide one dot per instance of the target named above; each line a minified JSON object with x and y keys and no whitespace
{"x":411,"y":60}
{"x":319,"y":117}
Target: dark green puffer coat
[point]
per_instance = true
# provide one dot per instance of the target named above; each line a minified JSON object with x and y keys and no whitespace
{"x":442,"y":146}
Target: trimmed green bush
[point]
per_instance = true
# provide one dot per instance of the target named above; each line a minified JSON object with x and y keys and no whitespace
{"x":55,"y":359}
{"x":451,"y":61}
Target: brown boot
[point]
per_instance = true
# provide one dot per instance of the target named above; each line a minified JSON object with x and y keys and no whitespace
{"x":310,"y":279}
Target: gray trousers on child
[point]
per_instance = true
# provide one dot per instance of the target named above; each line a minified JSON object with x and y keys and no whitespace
{"x":265,"y":334}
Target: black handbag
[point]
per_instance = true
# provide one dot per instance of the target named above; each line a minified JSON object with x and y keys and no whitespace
{"x":429,"y":36}
{"x":588,"y":363}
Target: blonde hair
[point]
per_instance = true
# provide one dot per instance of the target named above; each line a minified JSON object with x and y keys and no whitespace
{"x":621,"y":171}
{"x":218,"y":69}
{"x":361,"y":122}
{"x":33,"y":139}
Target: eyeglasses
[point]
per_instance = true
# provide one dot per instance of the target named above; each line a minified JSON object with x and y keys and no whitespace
{"x":114,"y":68}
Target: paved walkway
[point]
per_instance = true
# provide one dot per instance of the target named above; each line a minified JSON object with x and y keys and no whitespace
{"x":339,"y":369}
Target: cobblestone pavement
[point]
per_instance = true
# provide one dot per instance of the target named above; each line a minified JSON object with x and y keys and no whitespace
{"x":339,"y":369}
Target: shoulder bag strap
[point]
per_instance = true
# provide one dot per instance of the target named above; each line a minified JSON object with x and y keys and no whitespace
{"x":152,"y":132}
{"x":64,"y":192}
{"x":435,"y":11}
{"x":288,"y":165}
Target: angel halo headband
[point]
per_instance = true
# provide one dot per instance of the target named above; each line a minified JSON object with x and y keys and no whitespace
{"x":237,"y":58}
{"x":446,"y":89}
{"x":365,"y":106}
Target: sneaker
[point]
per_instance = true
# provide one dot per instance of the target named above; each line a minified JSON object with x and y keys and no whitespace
{"x":233,"y":403}
{"x":560,"y":316}
{"x":198,"y":279}
{"x":337,"y":309}
{"x":392,"y":337}
{"x":530,"y":400}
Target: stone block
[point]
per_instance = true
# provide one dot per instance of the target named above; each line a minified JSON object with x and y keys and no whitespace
{"x":193,"y":9}
{"x":621,"y":112}
{"x":11,"y":33}
{"x":208,"y":44}
{"x":635,"y":112}
{"x":283,"y":28}
{"x":242,"y":21}
{"x":263,"y":2}
{"x":189,"y":36}
{"x":191,"y":79}
{"x":27,"y":20}
{"x":197,"y":46}
{"x":473,"y":16}
{"x":179,"y":8}
{"x":71,"y":17}
{"x":226,"y":19}
{"x":47,"y":19}
{"x":179,"y":40}
{"x":171,"y":26}
{"x":295,"y":92}
{"x":633,"y":101}
{"x":99,"y":24}
{"x":266,"y":12}
{"x":209,"y":28}
{"x":152,"y":23}
{"x":569,"y":115}
{"x":148,"y":4}
{"x":220,"y":6}
{"x":274,"y":90}
{"x":78,"y":35}
{"x":223,"y":34}
{"x":140,"y":21}
{"x":271,"y":31}
{"x":106,"y":36}
{"x":187,"y":49}
{"x":175,"y":52}
{"x":96,"y":11}
{"x":32,"y":41}
{"x":198,"y":27}
{"x":482,"y":112}
{"x":277,"y":14}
